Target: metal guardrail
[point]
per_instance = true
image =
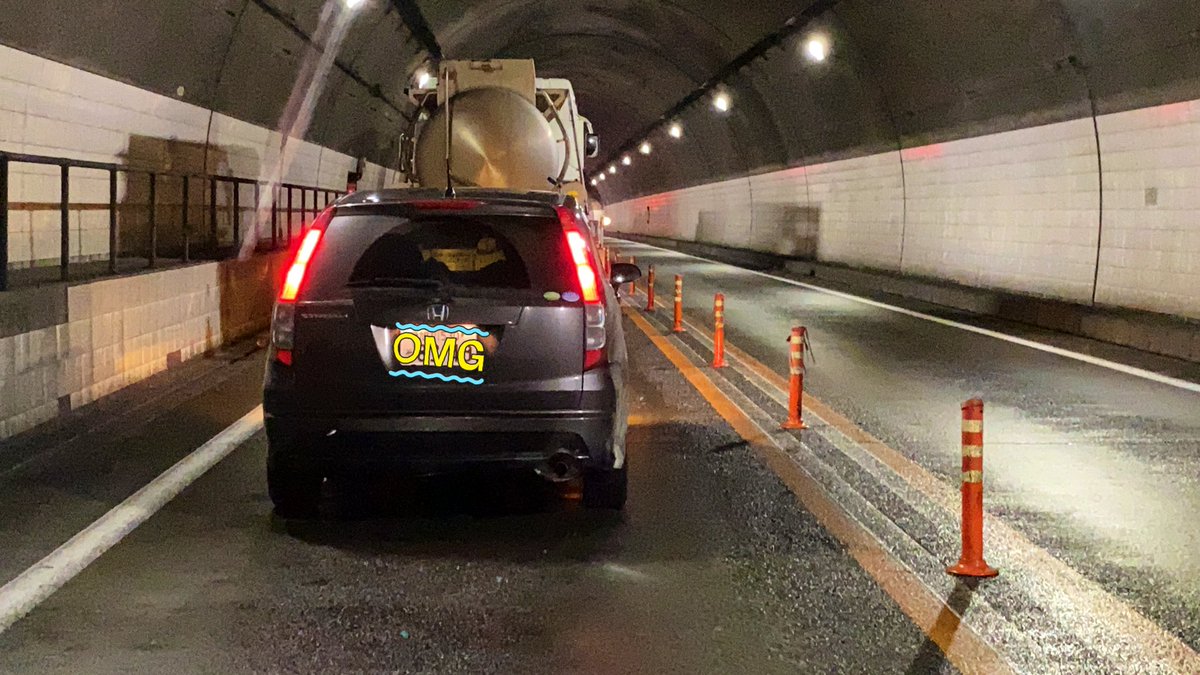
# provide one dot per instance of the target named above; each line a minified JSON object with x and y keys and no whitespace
{"x":283,"y":202}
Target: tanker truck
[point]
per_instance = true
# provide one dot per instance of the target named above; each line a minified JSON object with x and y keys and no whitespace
{"x":495,"y":124}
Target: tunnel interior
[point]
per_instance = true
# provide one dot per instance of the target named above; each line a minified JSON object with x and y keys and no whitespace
{"x":896,"y":74}
{"x":898,"y":209}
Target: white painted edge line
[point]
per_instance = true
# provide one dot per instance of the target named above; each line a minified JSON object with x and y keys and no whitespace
{"x":1032,"y":344}
{"x":21,"y":595}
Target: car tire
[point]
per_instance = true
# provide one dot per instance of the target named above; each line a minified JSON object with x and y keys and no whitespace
{"x":295,"y":491}
{"x":606,"y":489}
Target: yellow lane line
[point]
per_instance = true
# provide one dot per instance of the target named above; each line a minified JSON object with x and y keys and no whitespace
{"x":1150,"y":642}
{"x":963,"y":647}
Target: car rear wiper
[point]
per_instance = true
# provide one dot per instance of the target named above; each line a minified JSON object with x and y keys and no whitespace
{"x":395,"y":282}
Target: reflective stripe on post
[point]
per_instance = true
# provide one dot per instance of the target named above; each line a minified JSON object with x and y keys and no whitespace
{"x":678,"y":327}
{"x":795,"y":418}
{"x":971,"y":562}
{"x":650,"y":289}
{"x":719,"y":331}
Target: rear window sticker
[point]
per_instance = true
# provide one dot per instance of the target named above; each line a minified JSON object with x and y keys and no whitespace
{"x":570,"y":296}
{"x":485,"y":253}
{"x":552,"y":296}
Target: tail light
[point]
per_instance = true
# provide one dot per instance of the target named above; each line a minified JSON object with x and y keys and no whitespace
{"x":283,"y":319}
{"x":299,"y":266}
{"x":595,"y":335}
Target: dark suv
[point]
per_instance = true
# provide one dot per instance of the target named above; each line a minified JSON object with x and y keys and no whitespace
{"x":432,"y":333}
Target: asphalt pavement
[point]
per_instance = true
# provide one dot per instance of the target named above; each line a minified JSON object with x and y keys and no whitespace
{"x":713,"y":567}
{"x":1099,"y":467}
{"x":723,"y":561}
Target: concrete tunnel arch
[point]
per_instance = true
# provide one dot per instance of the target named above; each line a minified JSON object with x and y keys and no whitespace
{"x":930,"y":72}
{"x":903,"y":77}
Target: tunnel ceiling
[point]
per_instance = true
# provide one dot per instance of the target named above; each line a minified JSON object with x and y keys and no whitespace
{"x":901,"y":72}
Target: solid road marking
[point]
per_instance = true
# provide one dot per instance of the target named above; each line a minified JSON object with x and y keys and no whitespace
{"x":1152,"y":642}
{"x":1032,"y":344}
{"x":21,"y":595}
{"x":963,"y":647}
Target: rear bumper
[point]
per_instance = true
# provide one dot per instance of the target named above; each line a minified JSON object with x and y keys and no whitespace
{"x":441,"y":442}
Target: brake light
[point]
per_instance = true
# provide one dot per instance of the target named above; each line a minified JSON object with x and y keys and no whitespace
{"x":585,"y":266}
{"x":295,"y":273}
{"x":595,"y":334}
{"x":444,"y":204}
{"x":283,"y":320}
{"x":593,"y":358}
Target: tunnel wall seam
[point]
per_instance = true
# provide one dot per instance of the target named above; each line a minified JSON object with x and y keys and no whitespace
{"x":1018,"y":210}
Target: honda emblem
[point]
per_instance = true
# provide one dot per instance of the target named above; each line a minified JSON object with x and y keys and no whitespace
{"x":438,"y":313}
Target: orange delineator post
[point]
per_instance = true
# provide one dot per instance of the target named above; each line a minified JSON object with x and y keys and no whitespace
{"x":650,"y":289}
{"x":678,"y":327}
{"x":719,"y":331}
{"x":971,"y":562}
{"x":796,"y":381}
{"x":632,"y":285}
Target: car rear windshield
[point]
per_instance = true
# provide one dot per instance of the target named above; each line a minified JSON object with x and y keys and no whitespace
{"x":489,"y":254}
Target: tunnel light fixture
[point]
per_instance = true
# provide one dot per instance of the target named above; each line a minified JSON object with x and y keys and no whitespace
{"x":612,"y":168}
{"x":721,"y":102}
{"x":816,"y":48}
{"x":606,"y":221}
{"x":595,"y":182}
{"x":626,"y":160}
{"x":645,"y":148}
{"x":353,"y":4}
{"x":603,"y":177}
{"x":676,"y":130}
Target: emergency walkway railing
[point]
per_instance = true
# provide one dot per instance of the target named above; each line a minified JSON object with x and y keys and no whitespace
{"x":284,"y":203}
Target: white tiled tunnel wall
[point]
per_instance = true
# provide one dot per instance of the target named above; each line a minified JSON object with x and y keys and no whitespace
{"x":847,"y":211}
{"x":377,"y":177}
{"x":1151,"y":244}
{"x":122,"y":329}
{"x":858,"y":205}
{"x":47,"y":108}
{"x":119,"y":331}
{"x":717,"y":213}
{"x":35,"y":230}
{"x":1019,"y":210}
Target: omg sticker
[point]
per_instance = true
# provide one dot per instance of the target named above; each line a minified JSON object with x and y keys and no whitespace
{"x":418,"y":348}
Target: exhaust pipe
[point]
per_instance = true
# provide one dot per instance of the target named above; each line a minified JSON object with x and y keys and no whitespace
{"x":559,"y":467}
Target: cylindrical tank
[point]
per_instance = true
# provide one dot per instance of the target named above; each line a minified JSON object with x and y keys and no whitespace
{"x":500,"y":140}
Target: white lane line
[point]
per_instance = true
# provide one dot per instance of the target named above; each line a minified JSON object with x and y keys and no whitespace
{"x":1040,"y":346}
{"x":21,"y":595}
